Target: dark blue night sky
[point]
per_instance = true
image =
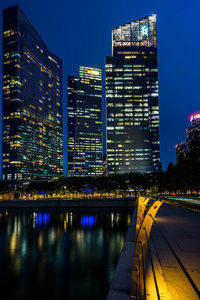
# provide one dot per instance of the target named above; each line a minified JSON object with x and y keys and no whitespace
{"x":79,"y":32}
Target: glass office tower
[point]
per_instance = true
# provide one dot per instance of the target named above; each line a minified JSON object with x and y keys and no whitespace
{"x":132,"y":99}
{"x":32,"y":102}
{"x":85,"y":123}
{"x":193,"y":133}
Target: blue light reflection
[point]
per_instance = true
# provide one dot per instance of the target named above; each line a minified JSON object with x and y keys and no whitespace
{"x":88,"y":221}
{"x":42,"y":219}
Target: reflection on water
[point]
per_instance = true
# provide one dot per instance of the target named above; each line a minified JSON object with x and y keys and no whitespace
{"x":88,"y":221}
{"x":60,"y":254}
{"x":41,"y":219}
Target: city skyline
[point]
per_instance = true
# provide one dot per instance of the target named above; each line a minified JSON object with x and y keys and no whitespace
{"x":95,"y":191}
{"x":171,"y":115}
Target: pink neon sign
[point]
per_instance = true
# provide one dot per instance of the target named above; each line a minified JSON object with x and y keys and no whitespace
{"x":194,"y":116}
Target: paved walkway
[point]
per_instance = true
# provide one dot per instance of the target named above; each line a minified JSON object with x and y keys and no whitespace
{"x":181,"y":228}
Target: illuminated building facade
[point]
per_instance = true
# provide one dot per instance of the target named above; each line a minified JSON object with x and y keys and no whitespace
{"x":132,"y":99}
{"x":85,"y":123}
{"x":180,"y":150}
{"x":32,"y":102}
{"x":192,"y":143}
{"x":193,"y":132}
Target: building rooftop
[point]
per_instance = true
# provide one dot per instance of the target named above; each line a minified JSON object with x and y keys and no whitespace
{"x":141,"y":32}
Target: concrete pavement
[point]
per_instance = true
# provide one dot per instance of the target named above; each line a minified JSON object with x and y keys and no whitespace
{"x":181,"y":229}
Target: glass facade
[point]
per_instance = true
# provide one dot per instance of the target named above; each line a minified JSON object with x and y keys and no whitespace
{"x":180,"y":150}
{"x":32,"y":102}
{"x":85,"y":123}
{"x":138,"y":33}
{"x":132,"y":99}
{"x":193,"y":132}
{"x":192,"y":144}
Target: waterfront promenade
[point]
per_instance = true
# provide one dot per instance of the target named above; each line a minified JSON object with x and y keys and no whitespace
{"x":172,"y":268}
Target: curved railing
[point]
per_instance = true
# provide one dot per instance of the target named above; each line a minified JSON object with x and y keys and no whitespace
{"x":147,"y":208}
{"x":143,"y":228}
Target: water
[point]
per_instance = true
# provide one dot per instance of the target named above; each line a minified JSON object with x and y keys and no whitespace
{"x":60,"y":254}
{"x":189,"y":200}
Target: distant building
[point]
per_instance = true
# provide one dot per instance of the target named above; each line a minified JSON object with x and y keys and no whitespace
{"x":193,"y":132}
{"x":132,"y":99}
{"x":32,"y":102}
{"x":192,"y":137}
{"x":180,"y":150}
{"x":85,"y":123}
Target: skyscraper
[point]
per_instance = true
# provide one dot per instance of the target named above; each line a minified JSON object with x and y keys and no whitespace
{"x":132,"y":98}
{"x":85,"y":123}
{"x":191,"y":147}
{"x":32,"y":102}
{"x":180,"y":150}
{"x":193,"y":132}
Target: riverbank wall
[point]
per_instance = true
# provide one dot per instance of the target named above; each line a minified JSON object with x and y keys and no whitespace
{"x":120,"y":202}
{"x":121,"y":282}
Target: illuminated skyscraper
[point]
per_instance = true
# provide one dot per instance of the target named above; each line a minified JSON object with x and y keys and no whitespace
{"x":193,"y":132}
{"x":32,"y":102}
{"x":180,"y":150}
{"x":132,"y":98}
{"x":192,"y":144}
{"x":85,"y":123}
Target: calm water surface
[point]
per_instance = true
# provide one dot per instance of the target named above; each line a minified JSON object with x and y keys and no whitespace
{"x":60,"y":254}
